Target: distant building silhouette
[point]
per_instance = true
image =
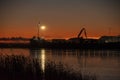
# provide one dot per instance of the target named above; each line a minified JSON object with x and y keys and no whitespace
{"x":109,"y":39}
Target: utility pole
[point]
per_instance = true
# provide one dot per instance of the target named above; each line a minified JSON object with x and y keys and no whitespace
{"x":38,"y":30}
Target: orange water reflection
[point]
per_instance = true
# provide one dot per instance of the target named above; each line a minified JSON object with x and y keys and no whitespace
{"x":105,"y":64}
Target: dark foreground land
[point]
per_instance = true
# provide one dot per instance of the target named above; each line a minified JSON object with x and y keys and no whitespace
{"x":27,"y":68}
{"x":62,"y":45}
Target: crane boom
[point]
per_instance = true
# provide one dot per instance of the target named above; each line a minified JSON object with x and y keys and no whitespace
{"x":83,"y":29}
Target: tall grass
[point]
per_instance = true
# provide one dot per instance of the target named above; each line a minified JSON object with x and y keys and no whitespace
{"x":14,"y":67}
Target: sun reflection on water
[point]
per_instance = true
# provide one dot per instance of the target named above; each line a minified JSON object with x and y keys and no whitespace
{"x":43,"y":59}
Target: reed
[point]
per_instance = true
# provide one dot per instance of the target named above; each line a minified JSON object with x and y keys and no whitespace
{"x":18,"y":67}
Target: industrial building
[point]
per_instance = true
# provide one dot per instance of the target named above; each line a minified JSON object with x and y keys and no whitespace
{"x":109,"y":39}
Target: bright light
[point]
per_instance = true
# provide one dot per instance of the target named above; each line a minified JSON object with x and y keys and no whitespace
{"x":43,"y":27}
{"x":43,"y":60}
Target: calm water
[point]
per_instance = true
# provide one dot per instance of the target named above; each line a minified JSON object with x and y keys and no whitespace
{"x":105,"y":64}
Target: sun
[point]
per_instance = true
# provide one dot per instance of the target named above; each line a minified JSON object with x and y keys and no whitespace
{"x":43,"y":27}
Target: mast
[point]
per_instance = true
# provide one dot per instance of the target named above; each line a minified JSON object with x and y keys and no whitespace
{"x":38,"y":34}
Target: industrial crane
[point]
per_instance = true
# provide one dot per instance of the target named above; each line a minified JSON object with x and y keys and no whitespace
{"x":83,"y":29}
{"x":79,"y":39}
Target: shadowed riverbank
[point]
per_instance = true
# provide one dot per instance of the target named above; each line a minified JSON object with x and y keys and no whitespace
{"x":62,"y":45}
{"x":105,"y":42}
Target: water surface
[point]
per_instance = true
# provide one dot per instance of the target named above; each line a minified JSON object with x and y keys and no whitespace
{"x":104,"y":64}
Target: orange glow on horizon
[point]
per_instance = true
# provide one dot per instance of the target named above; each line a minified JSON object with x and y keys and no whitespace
{"x":53,"y":32}
{"x":62,"y":19}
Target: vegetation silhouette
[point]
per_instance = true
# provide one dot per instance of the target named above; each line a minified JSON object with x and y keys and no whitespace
{"x":18,"y":67}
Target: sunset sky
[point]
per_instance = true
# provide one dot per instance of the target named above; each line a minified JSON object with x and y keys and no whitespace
{"x":62,"y":18}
